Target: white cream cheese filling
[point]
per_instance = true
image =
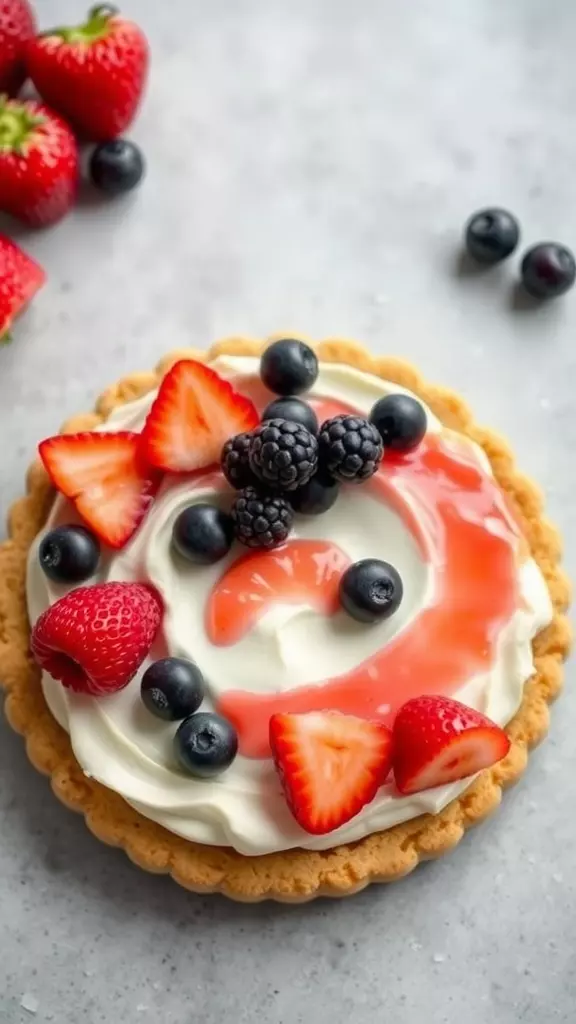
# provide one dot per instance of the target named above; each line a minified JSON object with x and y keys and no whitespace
{"x":119,"y":743}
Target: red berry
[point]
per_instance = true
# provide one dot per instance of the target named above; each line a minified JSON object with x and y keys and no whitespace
{"x":438,"y":740}
{"x":94,"y":74}
{"x":194,"y":414}
{"x":20,"y":279}
{"x":330,"y":765}
{"x":17,"y":26}
{"x":39,"y":165}
{"x":95,"y":638}
{"x":106,"y":478}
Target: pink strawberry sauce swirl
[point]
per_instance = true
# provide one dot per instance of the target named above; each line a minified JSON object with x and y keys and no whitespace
{"x":465,"y":529}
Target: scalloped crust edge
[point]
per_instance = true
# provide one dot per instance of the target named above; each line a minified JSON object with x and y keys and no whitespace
{"x":294,"y":875}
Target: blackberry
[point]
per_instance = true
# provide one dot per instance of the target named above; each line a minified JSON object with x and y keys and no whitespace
{"x":350,"y":448}
{"x":283,"y":454}
{"x":234,"y":461}
{"x":261,"y":520}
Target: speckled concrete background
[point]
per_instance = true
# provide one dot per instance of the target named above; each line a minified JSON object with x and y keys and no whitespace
{"x":310,"y":166}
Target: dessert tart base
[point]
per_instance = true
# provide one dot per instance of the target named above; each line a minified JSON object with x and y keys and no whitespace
{"x":294,"y":875}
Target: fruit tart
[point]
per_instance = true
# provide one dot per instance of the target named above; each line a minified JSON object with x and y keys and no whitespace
{"x":280,"y":619}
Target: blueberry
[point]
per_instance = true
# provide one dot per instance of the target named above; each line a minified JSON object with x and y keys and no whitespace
{"x":400,"y":420}
{"x":288,"y":367}
{"x":203,"y":534}
{"x":491,"y":235}
{"x":69,"y":554}
{"x":317,"y":496}
{"x":116,"y":167}
{"x":206,"y":744}
{"x":371,"y":590}
{"x":172,"y":688}
{"x":293,"y":409}
{"x":548,"y":270}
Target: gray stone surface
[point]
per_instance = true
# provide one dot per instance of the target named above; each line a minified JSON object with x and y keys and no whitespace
{"x":310,"y":166}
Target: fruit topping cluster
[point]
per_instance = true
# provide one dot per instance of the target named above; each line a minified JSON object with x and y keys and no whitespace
{"x":332,"y":765}
{"x":289,"y":464}
{"x":96,"y":638}
{"x":547,"y":269}
{"x":281,"y":465}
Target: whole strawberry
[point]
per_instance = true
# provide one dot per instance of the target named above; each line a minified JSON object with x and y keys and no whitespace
{"x":93,"y":74}
{"x":95,"y":638}
{"x":17,"y":26}
{"x":20,"y":279}
{"x":38,"y":163}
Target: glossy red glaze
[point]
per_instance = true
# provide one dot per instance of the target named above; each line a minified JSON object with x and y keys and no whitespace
{"x":466,"y":529}
{"x":299,"y":572}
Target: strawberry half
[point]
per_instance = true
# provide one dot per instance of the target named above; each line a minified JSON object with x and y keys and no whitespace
{"x":193,"y":415}
{"x":438,"y":740}
{"x":20,"y":278}
{"x":330,"y":765}
{"x":105,"y":477}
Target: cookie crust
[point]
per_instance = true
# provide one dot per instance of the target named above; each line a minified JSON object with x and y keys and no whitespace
{"x":294,"y":875}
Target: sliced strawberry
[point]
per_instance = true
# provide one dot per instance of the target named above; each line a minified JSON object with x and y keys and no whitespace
{"x":105,"y":477}
{"x":438,"y":740}
{"x":330,"y":765}
{"x":20,"y":279}
{"x":194,"y":413}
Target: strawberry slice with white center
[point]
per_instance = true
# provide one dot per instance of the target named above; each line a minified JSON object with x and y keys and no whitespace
{"x":193,"y":415}
{"x":330,"y":765}
{"x":105,"y":477}
{"x":438,"y":740}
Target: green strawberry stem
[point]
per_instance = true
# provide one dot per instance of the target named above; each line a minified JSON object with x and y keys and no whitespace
{"x":17,"y":125}
{"x":95,"y":27}
{"x":5,"y":338}
{"x":103,"y":11}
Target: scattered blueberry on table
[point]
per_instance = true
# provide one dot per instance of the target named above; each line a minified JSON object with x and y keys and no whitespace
{"x":548,"y":270}
{"x":491,"y":235}
{"x":116,"y":167}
